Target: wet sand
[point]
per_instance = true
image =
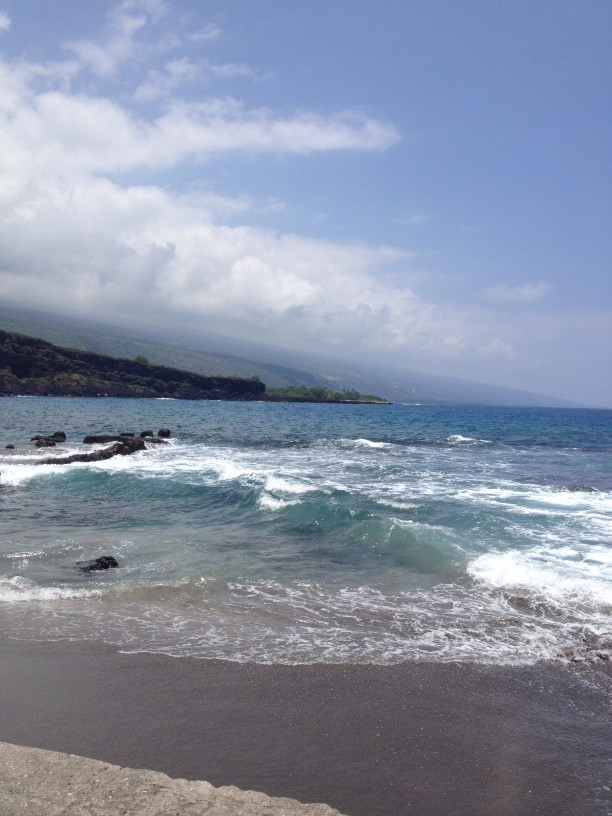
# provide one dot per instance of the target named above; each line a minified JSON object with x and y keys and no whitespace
{"x":412,"y":740}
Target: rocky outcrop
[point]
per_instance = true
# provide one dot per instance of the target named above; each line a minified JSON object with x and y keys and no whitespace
{"x":45,"y":443}
{"x":101,"y":439}
{"x":127,"y":446}
{"x":48,"y":441}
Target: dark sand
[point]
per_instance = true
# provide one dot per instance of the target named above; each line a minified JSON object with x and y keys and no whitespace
{"x":414,"y":740}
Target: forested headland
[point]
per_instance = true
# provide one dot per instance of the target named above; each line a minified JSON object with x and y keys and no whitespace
{"x":33,"y":367}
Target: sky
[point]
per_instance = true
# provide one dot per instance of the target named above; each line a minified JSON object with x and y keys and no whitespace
{"x":420,"y":183}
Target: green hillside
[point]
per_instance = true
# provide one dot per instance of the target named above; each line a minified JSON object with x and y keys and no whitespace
{"x":30,"y":366}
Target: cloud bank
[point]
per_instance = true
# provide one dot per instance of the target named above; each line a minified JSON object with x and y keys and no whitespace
{"x":77,"y":235}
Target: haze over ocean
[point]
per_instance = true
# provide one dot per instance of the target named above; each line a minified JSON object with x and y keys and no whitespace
{"x":305,"y":533}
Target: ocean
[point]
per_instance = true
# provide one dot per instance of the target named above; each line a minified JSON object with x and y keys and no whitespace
{"x":285,"y":533}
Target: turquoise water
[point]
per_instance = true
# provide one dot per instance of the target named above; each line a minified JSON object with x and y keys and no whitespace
{"x":301,"y":533}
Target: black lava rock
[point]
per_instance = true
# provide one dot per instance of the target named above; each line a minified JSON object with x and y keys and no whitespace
{"x":103,"y":563}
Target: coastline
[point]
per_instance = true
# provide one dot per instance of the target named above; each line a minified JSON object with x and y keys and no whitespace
{"x":387,"y":740}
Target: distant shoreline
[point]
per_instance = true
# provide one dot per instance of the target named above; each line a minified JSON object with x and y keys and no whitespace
{"x":30,"y":366}
{"x":203,"y":399}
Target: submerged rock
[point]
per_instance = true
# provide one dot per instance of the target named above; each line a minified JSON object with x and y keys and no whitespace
{"x":127,"y":445}
{"x":56,"y":436}
{"x":45,"y":442}
{"x":92,"y":439}
{"x":9,"y":447}
{"x":103,"y":563}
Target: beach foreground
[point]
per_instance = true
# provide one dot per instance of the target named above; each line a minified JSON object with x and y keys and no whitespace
{"x":420,"y":738}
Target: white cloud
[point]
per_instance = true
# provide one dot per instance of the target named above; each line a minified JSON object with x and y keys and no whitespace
{"x":232,"y":69}
{"x":159,"y":84}
{"x":527,"y":293}
{"x":5,"y":21}
{"x":69,"y":232}
{"x":119,"y":43}
{"x":56,"y":133}
{"x":73,"y":236}
{"x":206,"y":34}
{"x":414,"y":220}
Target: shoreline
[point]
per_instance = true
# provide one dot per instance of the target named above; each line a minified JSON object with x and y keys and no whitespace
{"x":404,"y":740}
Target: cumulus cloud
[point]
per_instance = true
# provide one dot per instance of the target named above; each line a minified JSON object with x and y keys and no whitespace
{"x":71,"y":229}
{"x":527,"y":293}
{"x":58,"y":132}
{"x":120,"y":40}
{"x":5,"y":21}
{"x":163,"y":83}
{"x":73,"y":232}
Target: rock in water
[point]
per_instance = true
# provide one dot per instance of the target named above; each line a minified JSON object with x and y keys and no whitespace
{"x":164,"y":433}
{"x":103,"y":563}
{"x":127,"y":445}
{"x":56,"y":436}
{"x":92,"y":439}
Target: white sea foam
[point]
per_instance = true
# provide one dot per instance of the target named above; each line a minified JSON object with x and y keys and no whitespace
{"x":286,"y":485}
{"x":16,"y":475}
{"x":550,"y":575}
{"x":369,"y":443}
{"x":19,"y":589}
{"x":406,"y":519}
{"x":307,"y":622}
{"x":268,"y":502}
{"x":459,"y":439}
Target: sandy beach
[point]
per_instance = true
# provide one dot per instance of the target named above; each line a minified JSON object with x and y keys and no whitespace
{"x":393,"y":741}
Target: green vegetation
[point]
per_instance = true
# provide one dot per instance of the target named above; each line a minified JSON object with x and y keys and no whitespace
{"x":140,"y":358}
{"x":301,"y":393}
{"x":29,"y":366}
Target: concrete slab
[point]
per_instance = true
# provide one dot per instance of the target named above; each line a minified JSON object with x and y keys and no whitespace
{"x":34,"y":781}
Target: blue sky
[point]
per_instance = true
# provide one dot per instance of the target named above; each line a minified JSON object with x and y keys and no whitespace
{"x":421,"y":183}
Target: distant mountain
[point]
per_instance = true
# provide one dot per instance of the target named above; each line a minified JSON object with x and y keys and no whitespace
{"x":276,"y":367}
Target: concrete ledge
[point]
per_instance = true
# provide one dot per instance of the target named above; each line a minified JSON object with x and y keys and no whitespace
{"x":34,"y":781}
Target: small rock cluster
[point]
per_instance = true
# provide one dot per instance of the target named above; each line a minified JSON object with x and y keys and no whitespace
{"x":123,"y":445}
{"x":51,"y":440}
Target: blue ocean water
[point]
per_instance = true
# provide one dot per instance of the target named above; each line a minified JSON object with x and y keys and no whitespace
{"x":301,"y":533}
